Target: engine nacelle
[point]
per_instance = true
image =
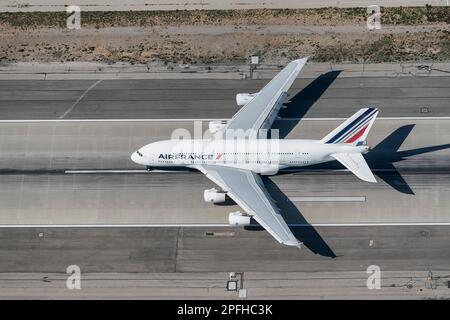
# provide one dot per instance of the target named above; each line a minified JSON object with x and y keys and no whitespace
{"x":239,"y":219}
{"x":216,"y":126}
{"x":214,"y":196}
{"x":243,"y":98}
{"x":267,"y":169}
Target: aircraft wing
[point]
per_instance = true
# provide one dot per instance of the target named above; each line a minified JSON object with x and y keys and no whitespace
{"x":262,"y":110}
{"x":247,"y":190}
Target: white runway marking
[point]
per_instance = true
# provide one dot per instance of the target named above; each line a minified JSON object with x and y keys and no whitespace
{"x":211,"y":225}
{"x":206,"y":120}
{"x":104,"y":171}
{"x":328,"y":199}
{"x":79,"y":99}
{"x":120,"y":171}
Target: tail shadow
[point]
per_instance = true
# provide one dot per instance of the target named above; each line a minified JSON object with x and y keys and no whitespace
{"x":299,"y":104}
{"x":306,"y":234}
{"x":383,"y":156}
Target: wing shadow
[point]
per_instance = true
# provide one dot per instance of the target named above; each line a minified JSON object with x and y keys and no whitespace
{"x":299,"y":104}
{"x":306,"y":234}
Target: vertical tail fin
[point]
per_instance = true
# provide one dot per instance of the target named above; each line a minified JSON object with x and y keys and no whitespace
{"x":355,"y":129}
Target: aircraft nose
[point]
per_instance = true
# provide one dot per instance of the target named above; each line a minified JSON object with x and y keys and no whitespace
{"x":135,"y":157}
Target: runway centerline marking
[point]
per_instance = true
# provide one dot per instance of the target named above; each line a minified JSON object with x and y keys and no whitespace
{"x":104,"y":171}
{"x":117,"y":171}
{"x":79,"y":99}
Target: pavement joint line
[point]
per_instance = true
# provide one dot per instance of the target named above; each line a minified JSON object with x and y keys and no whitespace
{"x":211,"y":225}
{"x":79,"y":99}
{"x":204,"y":119}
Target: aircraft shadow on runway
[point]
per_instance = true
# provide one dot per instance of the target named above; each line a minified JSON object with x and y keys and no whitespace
{"x":299,"y":104}
{"x":382,"y":157}
{"x":292,"y":215}
{"x":305,"y":233}
{"x":296,"y":109}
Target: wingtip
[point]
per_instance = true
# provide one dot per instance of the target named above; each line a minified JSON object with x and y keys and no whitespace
{"x":293,"y":243}
{"x":302,"y":59}
{"x":371,"y":179}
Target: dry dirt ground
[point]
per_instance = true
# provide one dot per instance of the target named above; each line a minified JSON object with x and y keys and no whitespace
{"x":335,"y":35}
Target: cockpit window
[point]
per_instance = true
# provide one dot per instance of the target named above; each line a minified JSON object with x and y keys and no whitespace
{"x":140,"y":154}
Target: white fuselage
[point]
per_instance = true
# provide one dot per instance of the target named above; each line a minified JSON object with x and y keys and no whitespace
{"x":264,"y":156}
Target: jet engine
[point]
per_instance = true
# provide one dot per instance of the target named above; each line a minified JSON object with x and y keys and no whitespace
{"x":243,"y":98}
{"x":216,"y":126}
{"x":238,"y":219}
{"x":268,"y":169}
{"x":214,"y":196}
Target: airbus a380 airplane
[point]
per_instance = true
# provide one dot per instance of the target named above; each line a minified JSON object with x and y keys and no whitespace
{"x":236,"y":158}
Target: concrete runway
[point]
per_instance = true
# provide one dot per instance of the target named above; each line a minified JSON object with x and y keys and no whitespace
{"x":215,"y":249}
{"x":325,"y":96}
{"x":194,"y":263}
{"x":35,"y":189}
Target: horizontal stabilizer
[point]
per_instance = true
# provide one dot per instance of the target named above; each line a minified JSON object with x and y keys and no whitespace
{"x":356,"y":163}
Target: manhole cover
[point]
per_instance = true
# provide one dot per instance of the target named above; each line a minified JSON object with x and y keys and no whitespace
{"x":425,"y":233}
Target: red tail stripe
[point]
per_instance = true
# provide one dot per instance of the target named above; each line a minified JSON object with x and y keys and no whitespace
{"x":357,"y":135}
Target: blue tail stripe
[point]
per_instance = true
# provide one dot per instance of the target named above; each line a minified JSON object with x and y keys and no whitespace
{"x":356,"y":128}
{"x":353,"y":130}
{"x":352,"y":125}
{"x":348,"y":127}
